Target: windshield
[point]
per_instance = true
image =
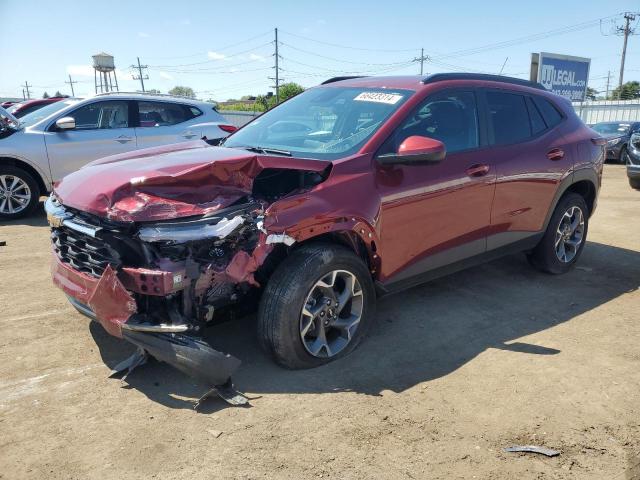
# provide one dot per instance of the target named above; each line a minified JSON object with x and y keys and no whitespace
{"x":321,"y":123}
{"x":612,"y":128}
{"x":42,"y":113}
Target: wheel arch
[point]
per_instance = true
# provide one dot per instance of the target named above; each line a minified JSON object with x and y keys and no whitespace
{"x":27,"y":167}
{"x":584,"y":182}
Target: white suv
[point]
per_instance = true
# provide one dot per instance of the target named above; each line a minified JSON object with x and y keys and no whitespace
{"x":44,"y":146}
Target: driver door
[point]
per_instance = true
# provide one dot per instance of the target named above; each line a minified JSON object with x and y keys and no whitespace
{"x":102,"y":129}
{"x":433,"y":215}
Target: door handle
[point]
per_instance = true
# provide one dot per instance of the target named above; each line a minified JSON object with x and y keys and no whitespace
{"x":478,"y":170}
{"x":123,"y":139}
{"x":189,"y":134}
{"x":555,"y":154}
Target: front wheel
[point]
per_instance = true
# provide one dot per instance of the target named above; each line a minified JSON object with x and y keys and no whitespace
{"x":316,"y":307}
{"x":564,"y":239}
{"x":19,"y":193}
{"x":624,"y":156}
{"x":635,"y":183}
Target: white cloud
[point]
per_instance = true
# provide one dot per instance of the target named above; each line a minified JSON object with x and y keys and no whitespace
{"x":165,"y":76}
{"x":216,"y":56}
{"x":255,"y":56}
{"x":143,"y":35}
{"x":80,"y":70}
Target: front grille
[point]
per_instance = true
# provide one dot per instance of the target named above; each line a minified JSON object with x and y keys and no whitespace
{"x":82,"y":252}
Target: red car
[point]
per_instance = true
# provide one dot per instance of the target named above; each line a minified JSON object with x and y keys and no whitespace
{"x":19,"y":110}
{"x":351,"y":190}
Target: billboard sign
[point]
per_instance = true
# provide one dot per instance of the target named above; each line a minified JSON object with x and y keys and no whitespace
{"x":562,"y":74}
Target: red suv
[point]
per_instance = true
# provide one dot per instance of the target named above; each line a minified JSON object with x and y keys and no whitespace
{"x":351,"y":190}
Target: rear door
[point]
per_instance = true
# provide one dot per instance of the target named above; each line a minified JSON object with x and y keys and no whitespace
{"x":531,"y":158}
{"x":102,"y":129}
{"x":161,"y":123}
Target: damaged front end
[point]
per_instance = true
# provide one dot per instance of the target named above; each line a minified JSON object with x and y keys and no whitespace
{"x":158,"y":284}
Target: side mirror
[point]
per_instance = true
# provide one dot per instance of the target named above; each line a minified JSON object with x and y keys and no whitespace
{"x":415,"y":150}
{"x":66,"y":123}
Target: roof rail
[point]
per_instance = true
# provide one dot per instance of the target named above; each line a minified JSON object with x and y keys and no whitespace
{"x":151,"y":94}
{"x":440,"y":77}
{"x":338,"y":79}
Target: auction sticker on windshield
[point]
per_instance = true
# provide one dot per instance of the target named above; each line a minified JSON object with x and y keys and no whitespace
{"x":379,"y":97}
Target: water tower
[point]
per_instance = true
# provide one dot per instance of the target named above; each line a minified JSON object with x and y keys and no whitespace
{"x":103,"y":67}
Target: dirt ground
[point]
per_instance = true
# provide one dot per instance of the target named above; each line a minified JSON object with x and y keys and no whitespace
{"x":452,"y":373}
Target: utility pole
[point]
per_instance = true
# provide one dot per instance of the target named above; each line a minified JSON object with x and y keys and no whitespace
{"x":608,"y":79}
{"x":26,"y":86}
{"x":140,"y":76}
{"x":625,"y":31}
{"x":421,"y":59}
{"x":277,"y":71}
{"x":71,"y":82}
{"x":24,"y":97}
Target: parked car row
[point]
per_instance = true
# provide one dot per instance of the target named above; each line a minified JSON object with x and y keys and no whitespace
{"x":64,"y":134}
{"x":618,"y":135}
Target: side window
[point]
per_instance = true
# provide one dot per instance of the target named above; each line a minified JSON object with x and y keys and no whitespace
{"x":550,"y":113}
{"x":102,"y":115}
{"x":509,"y":117}
{"x":537,"y":123}
{"x":162,"y":114}
{"x":451,"y":118}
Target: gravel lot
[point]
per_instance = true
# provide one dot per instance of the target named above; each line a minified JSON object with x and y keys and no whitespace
{"x":453,"y":372}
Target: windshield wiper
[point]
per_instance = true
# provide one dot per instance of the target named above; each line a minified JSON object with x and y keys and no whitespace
{"x":266,"y":151}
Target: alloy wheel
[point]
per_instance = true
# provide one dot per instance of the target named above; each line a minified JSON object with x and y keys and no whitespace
{"x":15,"y":194}
{"x":569,"y":234}
{"x":331,"y":314}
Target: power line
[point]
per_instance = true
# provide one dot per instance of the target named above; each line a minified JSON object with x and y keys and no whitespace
{"x":348,"y":46}
{"x":220,"y":49}
{"x":421,"y":60}
{"x":336,"y":59}
{"x":213,"y":59}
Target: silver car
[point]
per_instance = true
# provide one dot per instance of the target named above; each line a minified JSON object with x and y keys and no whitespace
{"x":51,"y":142}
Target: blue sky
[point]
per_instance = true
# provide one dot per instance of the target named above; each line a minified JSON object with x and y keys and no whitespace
{"x":225,"y":49}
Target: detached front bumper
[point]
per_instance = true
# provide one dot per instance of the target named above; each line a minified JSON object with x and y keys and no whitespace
{"x":104,"y":299}
{"x":107,"y":301}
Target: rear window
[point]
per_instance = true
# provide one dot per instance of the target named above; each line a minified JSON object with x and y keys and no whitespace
{"x":509,"y":117}
{"x":550,"y":113}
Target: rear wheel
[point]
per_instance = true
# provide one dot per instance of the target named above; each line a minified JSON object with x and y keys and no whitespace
{"x":635,"y":183}
{"x":19,"y":192}
{"x":316,"y":307}
{"x":564,"y":239}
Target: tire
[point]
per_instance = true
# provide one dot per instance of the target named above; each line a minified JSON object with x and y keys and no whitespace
{"x":291,"y":287}
{"x":26,"y":186}
{"x":635,"y":183}
{"x":544,"y":256}
{"x":623,"y":159}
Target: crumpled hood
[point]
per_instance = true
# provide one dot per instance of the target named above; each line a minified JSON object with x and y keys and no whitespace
{"x":162,"y":183}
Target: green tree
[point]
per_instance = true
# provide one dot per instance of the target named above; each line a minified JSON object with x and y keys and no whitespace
{"x":183,"y":92}
{"x":288,"y":90}
{"x":629,"y":90}
{"x":58,"y":94}
{"x":154,"y":90}
{"x":592,"y":93}
{"x":46,"y":95}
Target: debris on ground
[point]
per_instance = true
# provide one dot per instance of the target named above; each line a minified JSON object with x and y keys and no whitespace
{"x":533,"y":449}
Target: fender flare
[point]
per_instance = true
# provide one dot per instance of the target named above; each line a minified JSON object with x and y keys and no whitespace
{"x":583,"y":174}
